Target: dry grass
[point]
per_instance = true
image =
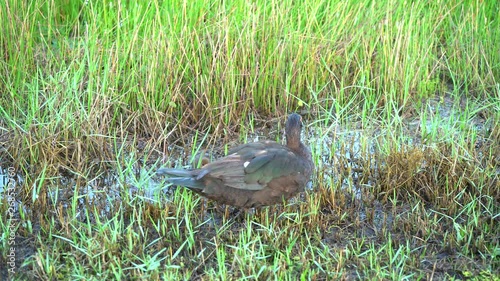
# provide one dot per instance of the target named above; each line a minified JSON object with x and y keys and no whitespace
{"x":402,"y":104}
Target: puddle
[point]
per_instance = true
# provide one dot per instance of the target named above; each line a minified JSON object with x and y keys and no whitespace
{"x":343,"y":167}
{"x":339,"y":152}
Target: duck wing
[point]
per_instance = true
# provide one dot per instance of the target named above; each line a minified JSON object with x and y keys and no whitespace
{"x":253,"y":166}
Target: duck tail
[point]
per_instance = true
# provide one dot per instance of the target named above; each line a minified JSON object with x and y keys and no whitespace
{"x":182,"y":177}
{"x":175,"y":172}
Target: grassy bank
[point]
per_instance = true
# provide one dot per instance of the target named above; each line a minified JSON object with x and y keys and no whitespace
{"x":401,"y":103}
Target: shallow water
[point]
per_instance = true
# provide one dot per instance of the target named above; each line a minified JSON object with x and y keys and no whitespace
{"x":336,"y":149}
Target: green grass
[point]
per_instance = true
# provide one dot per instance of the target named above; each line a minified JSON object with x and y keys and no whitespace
{"x":401,"y":103}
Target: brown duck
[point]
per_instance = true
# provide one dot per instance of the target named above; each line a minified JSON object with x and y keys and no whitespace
{"x":253,"y":174}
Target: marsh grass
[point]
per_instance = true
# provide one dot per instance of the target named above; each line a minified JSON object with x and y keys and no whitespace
{"x":401,"y":102}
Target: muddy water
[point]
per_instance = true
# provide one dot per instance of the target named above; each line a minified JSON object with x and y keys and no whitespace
{"x":338,"y":150}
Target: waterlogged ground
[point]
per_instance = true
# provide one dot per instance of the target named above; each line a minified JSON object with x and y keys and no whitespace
{"x":347,"y":159}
